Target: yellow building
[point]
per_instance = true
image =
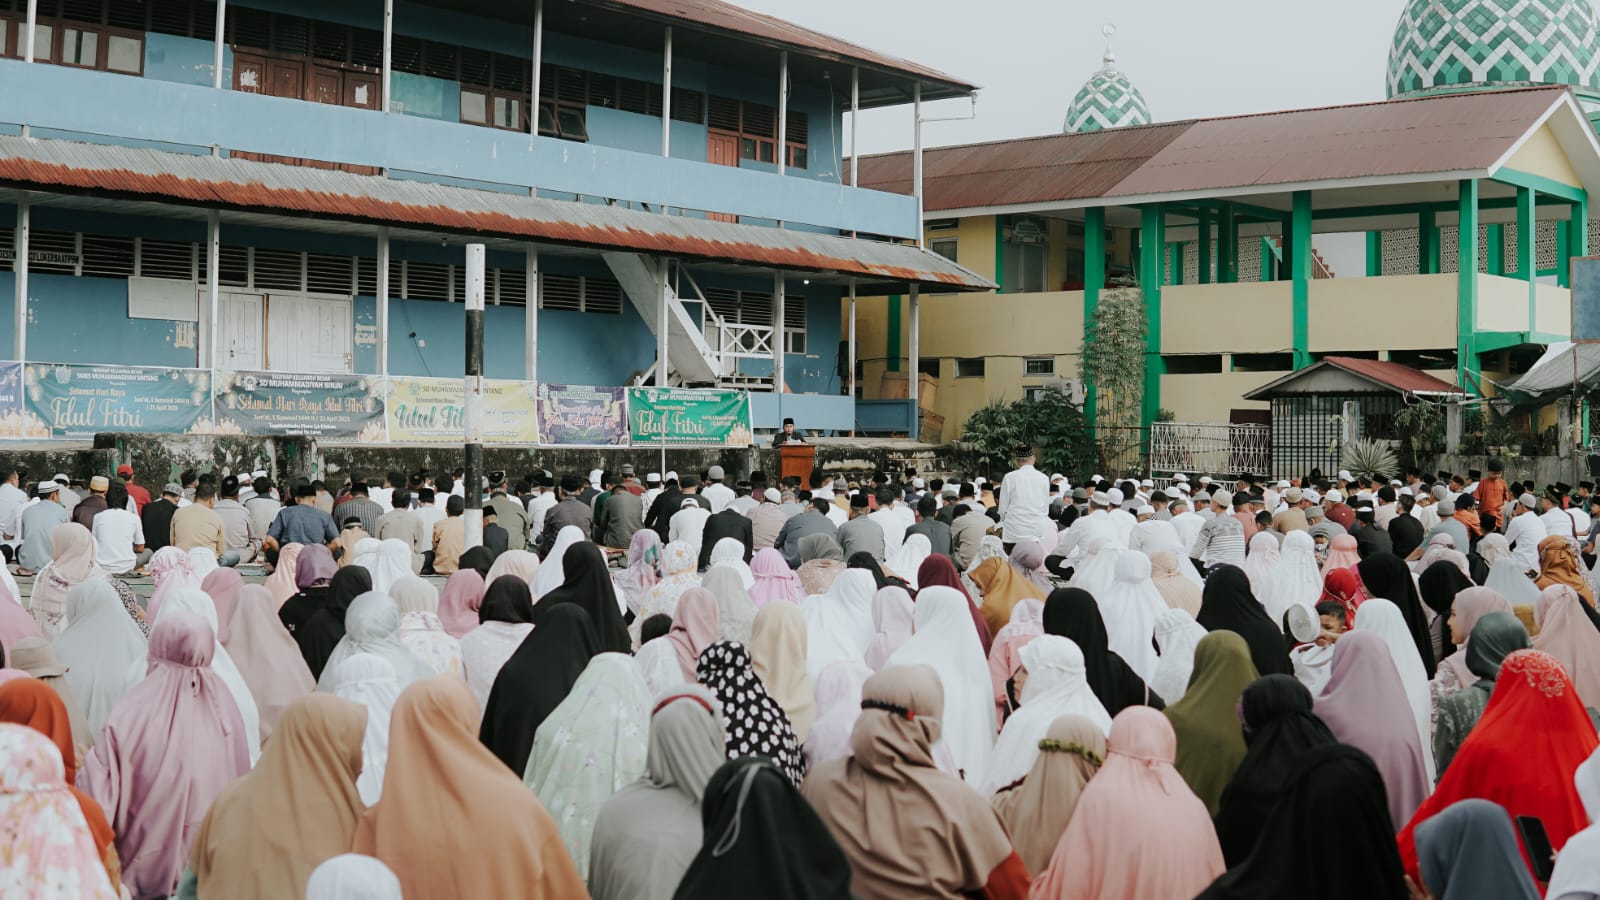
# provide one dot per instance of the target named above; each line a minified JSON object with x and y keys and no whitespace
{"x":1214,"y":219}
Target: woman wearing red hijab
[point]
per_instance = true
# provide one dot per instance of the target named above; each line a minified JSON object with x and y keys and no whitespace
{"x":939,"y":569}
{"x":1341,"y":586}
{"x":1522,"y":753}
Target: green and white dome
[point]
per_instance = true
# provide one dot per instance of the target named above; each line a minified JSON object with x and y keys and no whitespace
{"x":1107,"y":100}
{"x":1448,"y":45}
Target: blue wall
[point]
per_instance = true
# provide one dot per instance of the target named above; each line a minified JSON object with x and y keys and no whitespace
{"x":85,"y":320}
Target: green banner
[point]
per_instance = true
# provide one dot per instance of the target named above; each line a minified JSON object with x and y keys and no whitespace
{"x":685,"y":417}
{"x":329,"y":406}
{"x":81,"y":401}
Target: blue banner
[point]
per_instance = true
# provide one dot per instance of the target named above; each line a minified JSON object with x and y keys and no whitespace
{"x":72,"y":401}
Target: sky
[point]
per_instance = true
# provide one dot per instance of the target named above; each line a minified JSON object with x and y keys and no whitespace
{"x":1190,"y":59}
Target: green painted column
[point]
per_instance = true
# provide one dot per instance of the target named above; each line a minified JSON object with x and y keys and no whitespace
{"x":1299,"y":247}
{"x":1563,"y":255}
{"x":1428,"y":244}
{"x":891,"y":349}
{"x":1206,"y":259}
{"x":1152,"y":238}
{"x":1228,"y":245}
{"x":1467,"y":280}
{"x":1094,"y":281}
{"x":1527,"y":221}
{"x":1578,"y":231}
{"x":1374,"y":254}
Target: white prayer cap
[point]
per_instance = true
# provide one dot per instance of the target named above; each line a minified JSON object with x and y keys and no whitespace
{"x":1344,"y":475}
{"x":1114,"y":496}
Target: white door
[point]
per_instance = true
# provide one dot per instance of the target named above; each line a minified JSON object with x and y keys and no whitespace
{"x":239,"y":332}
{"x":310,"y":334}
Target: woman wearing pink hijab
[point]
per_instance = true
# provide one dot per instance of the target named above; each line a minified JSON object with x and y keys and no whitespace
{"x":774,"y":579}
{"x":1341,"y":554}
{"x":1138,"y":831}
{"x":170,"y":746}
{"x":267,"y":657}
{"x":172,"y":570}
{"x":459,"y":602}
{"x":694,"y":629}
{"x":281,"y":583}
{"x":222,"y":586}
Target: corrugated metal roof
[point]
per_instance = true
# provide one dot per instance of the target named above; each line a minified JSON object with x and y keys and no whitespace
{"x":720,"y":16}
{"x":228,"y":184}
{"x":1031,"y":170}
{"x":1447,"y":133}
{"x":1421,"y":136}
{"x":1378,"y":374}
{"x":1555,"y":373}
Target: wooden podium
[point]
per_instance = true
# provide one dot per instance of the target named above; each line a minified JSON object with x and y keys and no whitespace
{"x":796,"y":460}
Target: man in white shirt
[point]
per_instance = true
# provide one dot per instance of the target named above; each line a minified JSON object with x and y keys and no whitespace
{"x":894,"y":525}
{"x":118,"y":538}
{"x":12,"y":499}
{"x":1093,"y":524}
{"x":1573,"y":523}
{"x":836,"y":513}
{"x":544,"y":497}
{"x":428,"y":509}
{"x":1024,"y":502}
{"x":1524,"y":532}
{"x":716,"y":493}
{"x":689,"y":524}
{"x":1122,"y":520}
{"x":652,"y":489}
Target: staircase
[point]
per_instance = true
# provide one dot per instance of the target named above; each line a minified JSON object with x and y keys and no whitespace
{"x":703,"y":349}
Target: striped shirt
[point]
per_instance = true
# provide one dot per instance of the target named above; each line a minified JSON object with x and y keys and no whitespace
{"x":1221,"y":542}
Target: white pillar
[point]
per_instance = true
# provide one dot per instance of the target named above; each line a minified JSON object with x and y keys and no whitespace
{"x":855,"y":108}
{"x":19,"y":266}
{"x":666,"y":95}
{"x":388,"y":51}
{"x":851,"y":379}
{"x":27,"y":35}
{"x":530,"y":322}
{"x":217,"y":45}
{"x":213,"y":280}
{"x":914,"y":378}
{"x":538,"y":64}
{"x":662,"y":365}
{"x":383,"y":296}
{"x":916,"y":155}
{"x":472,"y":420}
{"x":777,"y":335}
{"x":783,"y":109}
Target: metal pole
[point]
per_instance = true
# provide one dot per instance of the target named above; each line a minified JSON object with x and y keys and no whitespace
{"x":217,"y":44}
{"x":913,"y":376}
{"x":666,"y":95}
{"x":213,"y":291}
{"x":388,"y":50}
{"x":852,"y":376}
{"x":777,"y":335}
{"x":538,"y":65}
{"x":383,"y":298}
{"x":661,"y":331}
{"x":855,"y":107}
{"x":783,"y":109}
{"x":473,"y":421}
{"x":916,"y":106}
{"x":530,"y":320}
{"x":20,"y":264}
{"x":33,"y":23}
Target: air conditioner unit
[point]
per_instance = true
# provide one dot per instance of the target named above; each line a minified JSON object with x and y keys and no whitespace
{"x":1072,"y":387}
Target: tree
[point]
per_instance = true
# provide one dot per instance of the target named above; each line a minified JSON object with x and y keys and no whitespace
{"x":1048,"y":422}
{"x":1112,"y":366}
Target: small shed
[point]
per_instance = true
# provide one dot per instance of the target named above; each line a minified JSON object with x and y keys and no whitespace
{"x":1309,"y":408}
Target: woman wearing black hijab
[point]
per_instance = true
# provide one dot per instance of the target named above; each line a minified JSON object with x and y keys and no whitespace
{"x":1227,"y":604}
{"x":478,"y":558}
{"x":762,"y":839}
{"x":1279,"y":729}
{"x":1384,"y":575}
{"x":507,"y":599}
{"x":863,"y":560}
{"x":535,"y":680}
{"x":324,"y":628}
{"x":1329,"y":837}
{"x":1439,"y":584}
{"x":588,"y":584}
{"x":1073,"y":613}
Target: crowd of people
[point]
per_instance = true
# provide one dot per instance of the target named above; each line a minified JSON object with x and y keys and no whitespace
{"x":684,"y":686}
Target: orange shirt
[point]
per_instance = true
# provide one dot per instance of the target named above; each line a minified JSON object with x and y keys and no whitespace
{"x":1492,"y":495}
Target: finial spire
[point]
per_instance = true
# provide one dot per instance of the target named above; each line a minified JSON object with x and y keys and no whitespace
{"x":1109,"y":30}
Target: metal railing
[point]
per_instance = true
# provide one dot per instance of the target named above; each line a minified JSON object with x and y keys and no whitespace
{"x":729,"y":341}
{"x":1214,"y":449}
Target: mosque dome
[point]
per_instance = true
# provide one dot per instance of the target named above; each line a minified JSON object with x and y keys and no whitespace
{"x":1444,"y":45}
{"x":1107,"y":100}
